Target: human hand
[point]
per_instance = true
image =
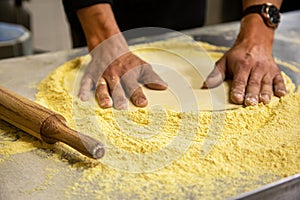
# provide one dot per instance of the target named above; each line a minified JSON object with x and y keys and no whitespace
{"x":249,"y":63}
{"x":116,"y":73}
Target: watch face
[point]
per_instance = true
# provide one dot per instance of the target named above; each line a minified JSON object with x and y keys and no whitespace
{"x":271,"y":15}
{"x":274,"y":15}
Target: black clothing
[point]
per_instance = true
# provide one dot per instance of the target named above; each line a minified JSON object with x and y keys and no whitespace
{"x":130,"y":14}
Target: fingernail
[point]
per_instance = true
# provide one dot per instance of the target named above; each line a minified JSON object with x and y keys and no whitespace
{"x":209,"y":83}
{"x":281,"y":92}
{"x":237,"y":97}
{"x":265,"y":98}
{"x":141,"y":102}
{"x":83,"y":97}
{"x":251,"y":101}
{"x":157,"y":86}
{"x":106,"y":103}
{"x":213,"y":80}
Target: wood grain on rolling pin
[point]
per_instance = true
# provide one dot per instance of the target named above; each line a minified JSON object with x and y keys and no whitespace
{"x":45,"y":124}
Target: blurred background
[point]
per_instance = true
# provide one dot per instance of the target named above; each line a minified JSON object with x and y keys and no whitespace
{"x":46,"y":22}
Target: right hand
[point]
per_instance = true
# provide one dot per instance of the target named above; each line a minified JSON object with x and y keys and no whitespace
{"x":251,"y":66}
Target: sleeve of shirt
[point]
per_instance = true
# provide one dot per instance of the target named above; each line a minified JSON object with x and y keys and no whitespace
{"x":78,"y":4}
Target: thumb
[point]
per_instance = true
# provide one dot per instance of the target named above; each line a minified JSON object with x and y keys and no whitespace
{"x":217,"y":76}
{"x":151,"y":79}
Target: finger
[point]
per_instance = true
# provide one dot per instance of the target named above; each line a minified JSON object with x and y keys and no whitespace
{"x":86,"y":86}
{"x":238,"y":87}
{"x":138,"y":98}
{"x":253,"y":89}
{"x":133,"y":89}
{"x":266,"y":90}
{"x":151,"y":79}
{"x":217,"y":76}
{"x":279,"y":86}
{"x":102,"y":94}
{"x":117,"y":93}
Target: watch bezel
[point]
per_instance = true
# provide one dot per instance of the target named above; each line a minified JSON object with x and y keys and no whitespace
{"x":265,"y":12}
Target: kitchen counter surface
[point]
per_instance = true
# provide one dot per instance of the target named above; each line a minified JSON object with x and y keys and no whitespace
{"x":23,"y":176}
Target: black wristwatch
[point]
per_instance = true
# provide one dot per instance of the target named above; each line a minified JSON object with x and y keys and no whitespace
{"x":267,"y":11}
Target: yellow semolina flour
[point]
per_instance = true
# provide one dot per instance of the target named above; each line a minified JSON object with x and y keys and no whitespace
{"x":167,"y":151}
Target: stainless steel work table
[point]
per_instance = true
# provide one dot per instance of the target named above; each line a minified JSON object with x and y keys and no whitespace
{"x":24,"y":177}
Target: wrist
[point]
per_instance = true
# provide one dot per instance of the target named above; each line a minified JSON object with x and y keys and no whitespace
{"x":98,"y":23}
{"x":254,"y":30}
{"x":110,"y":49}
{"x":97,"y":36}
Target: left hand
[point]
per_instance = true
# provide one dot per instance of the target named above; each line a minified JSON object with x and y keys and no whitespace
{"x":116,"y":74}
{"x":256,"y":76}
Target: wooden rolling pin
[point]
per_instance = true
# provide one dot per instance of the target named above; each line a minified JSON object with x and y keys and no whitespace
{"x":45,"y":124}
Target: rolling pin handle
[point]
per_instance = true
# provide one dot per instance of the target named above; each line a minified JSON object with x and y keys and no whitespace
{"x":49,"y":136}
{"x":51,"y":132}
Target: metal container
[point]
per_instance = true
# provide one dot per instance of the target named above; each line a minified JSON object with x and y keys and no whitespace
{"x":15,"y":40}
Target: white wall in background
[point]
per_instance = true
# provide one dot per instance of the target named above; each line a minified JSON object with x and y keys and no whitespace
{"x":218,"y":11}
{"x":49,"y":25}
{"x":213,"y":11}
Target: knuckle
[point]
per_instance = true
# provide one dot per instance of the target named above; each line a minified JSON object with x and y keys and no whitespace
{"x":238,"y":83}
{"x":265,"y":93}
{"x":278,"y":78}
{"x":137,"y":93}
{"x":244,"y":62}
{"x":267,"y":80}
{"x":110,"y":71}
{"x":101,"y":95}
{"x":254,"y":82}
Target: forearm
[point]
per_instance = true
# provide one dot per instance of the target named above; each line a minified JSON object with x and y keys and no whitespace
{"x":98,"y":23}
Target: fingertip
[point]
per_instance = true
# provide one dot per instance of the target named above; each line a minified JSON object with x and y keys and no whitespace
{"x":279,"y":86}
{"x":85,"y":88}
{"x":251,"y":101}
{"x":152,"y":80}
{"x":120,"y":103}
{"x":102,"y":95}
{"x":214,"y":79}
{"x":237,"y":98}
{"x":280,"y":92}
{"x":121,"y":106}
{"x":238,"y":90}
{"x":84,"y":95}
{"x":265,"y":98}
{"x":138,"y":98}
{"x":157,"y":86}
{"x":140,"y":102}
{"x":105,"y":103}
{"x":212,"y":82}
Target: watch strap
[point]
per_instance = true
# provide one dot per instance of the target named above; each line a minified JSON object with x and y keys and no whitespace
{"x":269,"y":13}
{"x":253,"y":9}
